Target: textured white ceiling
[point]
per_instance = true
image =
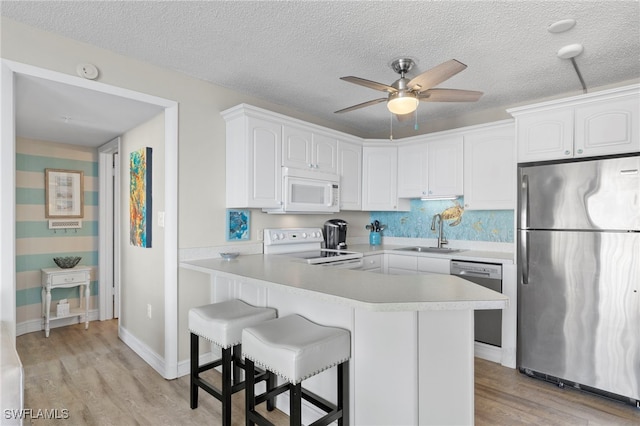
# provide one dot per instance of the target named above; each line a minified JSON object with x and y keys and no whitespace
{"x":293,"y":53}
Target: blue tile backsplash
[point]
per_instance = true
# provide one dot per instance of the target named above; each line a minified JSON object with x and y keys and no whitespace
{"x":474,"y":225}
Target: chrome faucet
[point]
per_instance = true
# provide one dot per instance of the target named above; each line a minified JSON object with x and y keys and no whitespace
{"x":441,"y":239}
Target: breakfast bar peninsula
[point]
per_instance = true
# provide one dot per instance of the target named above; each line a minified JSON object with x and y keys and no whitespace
{"x":412,"y":343}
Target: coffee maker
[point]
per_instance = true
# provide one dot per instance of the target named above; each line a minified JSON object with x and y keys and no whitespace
{"x":335,"y":234}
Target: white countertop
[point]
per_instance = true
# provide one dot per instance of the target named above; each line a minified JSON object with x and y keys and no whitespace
{"x":468,"y":255}
{"x":365,"y":290}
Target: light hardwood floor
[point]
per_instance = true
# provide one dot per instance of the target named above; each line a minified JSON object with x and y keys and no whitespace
{"x":100,"y":381}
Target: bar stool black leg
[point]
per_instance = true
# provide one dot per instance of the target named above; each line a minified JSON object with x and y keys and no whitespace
{"x":195,"y":348}
{"x":249,"y":391}
{"x":343,"y":393}
{"x":271,"y":384}
{"x":237,"y":357}
{"x":295,"y":404}
{"x":226,"y":386}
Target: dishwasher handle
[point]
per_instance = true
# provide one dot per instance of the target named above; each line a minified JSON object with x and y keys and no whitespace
{"x":477,"y":270}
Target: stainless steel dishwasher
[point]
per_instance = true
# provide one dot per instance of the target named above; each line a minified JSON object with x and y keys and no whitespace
{"x":488,"y":323}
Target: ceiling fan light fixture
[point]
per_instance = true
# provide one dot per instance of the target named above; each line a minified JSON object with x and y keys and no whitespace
{"x":402,"y":103}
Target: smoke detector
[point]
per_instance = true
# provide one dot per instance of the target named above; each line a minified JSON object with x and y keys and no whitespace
{"x":88,"y":71}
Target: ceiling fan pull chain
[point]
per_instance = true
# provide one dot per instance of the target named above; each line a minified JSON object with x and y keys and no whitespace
{"x":391,"y":126}
{"x":415,"y":114}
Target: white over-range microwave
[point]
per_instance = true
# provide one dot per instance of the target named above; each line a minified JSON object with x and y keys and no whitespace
{"x":306,"y":191}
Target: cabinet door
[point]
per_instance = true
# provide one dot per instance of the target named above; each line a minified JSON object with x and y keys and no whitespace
{"x":265,"y":152}
{"x":380,"y":178}
{"x":607,"y":127}
{"x":350,"y":171}
{"x":372,"y":263}
{"x":445,"y":166}
{"x":434,"y":265}
{"x":412,"y":170}
{"x":545,"y":135}
{"x":296,"y":147}
{"x":490,"y":169}
{"x":400,"y":264}
{"x":324,"y":153}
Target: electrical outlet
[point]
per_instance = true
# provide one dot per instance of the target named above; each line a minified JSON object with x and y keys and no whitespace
{"x":161,"y":219}
{"x":149,"y":310}
{"x":260,"y":235}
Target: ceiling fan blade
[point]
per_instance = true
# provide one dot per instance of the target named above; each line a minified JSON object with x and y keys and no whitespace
{"x":435,"y":75}
{"x":362,"y":105}
{"x":370,"y":84}
{"x":449,"y":95}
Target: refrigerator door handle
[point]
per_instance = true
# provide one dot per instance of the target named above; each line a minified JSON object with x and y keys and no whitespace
{"x":524,"y":197}
{"x":524,"y":254}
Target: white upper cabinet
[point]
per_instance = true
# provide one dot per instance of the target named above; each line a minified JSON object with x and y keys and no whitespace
{"x":545,"y":135}
{"x":253,"y":159}
{"x":600,"y":123}
{"x":446,"y":166}
{"x":302,"y":148}
{"x":490,"y":168}
{"x":431,"y":167}
{"x":413,"y":178}
{"x":608,"y":127}
{"x":350,"y":171}
{"x":380,"y":179}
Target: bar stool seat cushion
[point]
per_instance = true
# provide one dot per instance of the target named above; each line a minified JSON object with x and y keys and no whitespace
{"x":222,"y":323}
{"x":295,"y":348}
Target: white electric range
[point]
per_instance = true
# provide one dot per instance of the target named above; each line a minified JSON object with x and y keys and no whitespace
{"x":306,"y":244}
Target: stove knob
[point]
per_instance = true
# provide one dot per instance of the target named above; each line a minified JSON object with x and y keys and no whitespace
{"x":274,"y":236}
{"x":282,"y":236}
{"x":304,"y":235}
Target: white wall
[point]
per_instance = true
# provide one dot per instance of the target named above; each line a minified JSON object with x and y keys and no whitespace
{"x":201,"y":210}
{"x":141,"y":278}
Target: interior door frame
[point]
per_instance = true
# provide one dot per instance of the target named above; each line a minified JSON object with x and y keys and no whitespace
{"x":109,"y":231}
{"x":8,"y":72}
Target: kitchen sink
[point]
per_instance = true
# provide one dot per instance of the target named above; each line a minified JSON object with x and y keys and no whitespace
{"x":419,"y":249}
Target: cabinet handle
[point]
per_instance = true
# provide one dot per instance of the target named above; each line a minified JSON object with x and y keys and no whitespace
{"x":567,"y":152}
{"x":579,"y":151}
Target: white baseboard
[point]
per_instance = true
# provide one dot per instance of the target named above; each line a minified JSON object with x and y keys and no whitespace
{"x":488,"y":352}
{"x":33,"y":325}
{"x":184,"y":366}
{"x":145,"y":352}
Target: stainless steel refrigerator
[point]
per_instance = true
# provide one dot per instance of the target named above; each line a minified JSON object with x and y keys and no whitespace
{"x":579,"y":274}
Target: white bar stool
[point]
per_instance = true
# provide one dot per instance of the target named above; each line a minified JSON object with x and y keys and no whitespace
{"x":222,"y":323}
{"x":295,"y":348}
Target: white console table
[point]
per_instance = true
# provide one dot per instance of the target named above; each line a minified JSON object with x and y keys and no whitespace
{"x":53,"y":278}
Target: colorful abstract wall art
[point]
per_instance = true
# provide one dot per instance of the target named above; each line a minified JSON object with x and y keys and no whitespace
{"x":238,"y":225}
{"x":140,"y":212}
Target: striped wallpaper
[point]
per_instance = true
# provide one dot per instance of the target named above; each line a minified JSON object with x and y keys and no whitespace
{"x":36,"y":244}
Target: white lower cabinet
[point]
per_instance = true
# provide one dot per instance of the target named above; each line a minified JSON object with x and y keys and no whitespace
{"x":373,"y":263}
{"x":402,"y":265}
{"x":398,"y":264}
{"x":433,"y":265}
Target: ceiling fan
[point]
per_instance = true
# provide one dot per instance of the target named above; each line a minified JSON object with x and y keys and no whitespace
{"x":404,"y":94}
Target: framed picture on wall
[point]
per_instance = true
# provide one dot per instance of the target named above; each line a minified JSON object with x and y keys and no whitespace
{"x":238,"y":225}
{"x":64,"y":193}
